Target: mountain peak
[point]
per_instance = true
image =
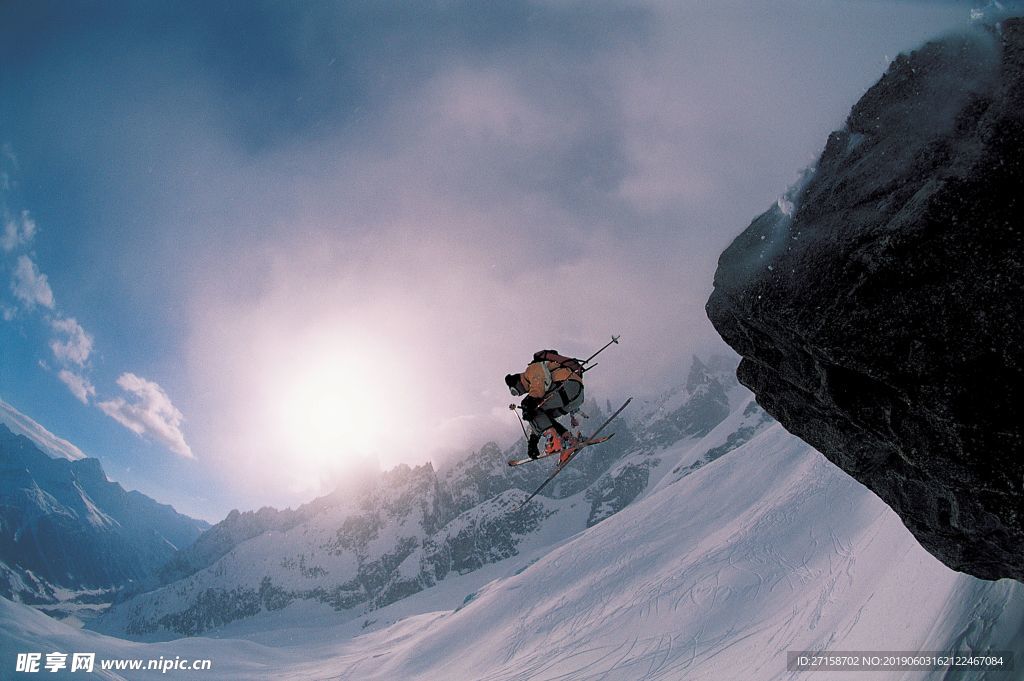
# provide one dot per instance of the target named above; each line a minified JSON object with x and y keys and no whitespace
{"x":698,"y":376}
{"x":90,"y":468}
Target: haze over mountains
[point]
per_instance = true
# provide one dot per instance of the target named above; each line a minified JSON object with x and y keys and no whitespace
{"x":702,"y":542}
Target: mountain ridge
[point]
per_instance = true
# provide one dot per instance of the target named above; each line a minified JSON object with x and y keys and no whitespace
{"x":66,"y":529}
{"x":414,"y":526}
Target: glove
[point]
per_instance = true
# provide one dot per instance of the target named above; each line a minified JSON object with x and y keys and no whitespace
{"x":532,"y":449}
{"x":529,"y":406}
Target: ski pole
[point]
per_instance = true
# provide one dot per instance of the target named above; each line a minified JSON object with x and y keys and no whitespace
{"x":615,"y":339}
{"x":521,"y":425}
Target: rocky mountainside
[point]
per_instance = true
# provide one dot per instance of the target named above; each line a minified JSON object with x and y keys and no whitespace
{"x":877,"y":307}
{"x":377,"y":543}
{"x":65,"y":529}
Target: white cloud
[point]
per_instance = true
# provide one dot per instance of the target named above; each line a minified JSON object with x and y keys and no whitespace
{"x":9,"y":238}
{"x":7,"y":312}
{"x":17,"y":231}
{"x":30,"y":285}
{"x":79,"y":386}
{"x":150,"y":413}
{"x":55,"y":446}
{"x":76,"y":346}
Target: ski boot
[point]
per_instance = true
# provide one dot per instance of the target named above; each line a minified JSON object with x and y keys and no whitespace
{"x":554,"y":443}
{"x":570,"y":441}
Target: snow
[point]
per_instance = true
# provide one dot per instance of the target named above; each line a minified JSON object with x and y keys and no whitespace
{"x":703,"y":586}
{"x":93,"y":515}
{"x":715,"y":575}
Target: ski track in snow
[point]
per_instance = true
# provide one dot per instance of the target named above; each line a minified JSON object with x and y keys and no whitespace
{"x":712,"y":576}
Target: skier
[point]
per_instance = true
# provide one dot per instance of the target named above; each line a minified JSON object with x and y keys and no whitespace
{"x":553,"y":387}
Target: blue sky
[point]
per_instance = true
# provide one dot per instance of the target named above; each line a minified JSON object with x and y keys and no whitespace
{"x":249,"y":247}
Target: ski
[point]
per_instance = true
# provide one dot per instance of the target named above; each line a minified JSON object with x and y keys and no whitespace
{"x":572,"y":455}
{"x":580,"y":444}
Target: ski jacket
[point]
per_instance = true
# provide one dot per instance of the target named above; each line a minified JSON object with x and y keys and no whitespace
{"x":540,"y":376}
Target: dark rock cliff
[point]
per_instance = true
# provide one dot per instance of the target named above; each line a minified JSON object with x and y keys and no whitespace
{"x":879,"y":309}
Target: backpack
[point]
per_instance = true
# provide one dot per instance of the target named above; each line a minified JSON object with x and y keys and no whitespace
{"x":571,"y":363}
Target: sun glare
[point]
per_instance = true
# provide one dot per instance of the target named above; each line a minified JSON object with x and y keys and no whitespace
{"x":327,"y":410}
{"x":336,"y":402}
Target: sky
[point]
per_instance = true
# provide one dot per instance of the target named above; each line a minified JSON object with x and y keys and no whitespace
{"x":248,"y":248}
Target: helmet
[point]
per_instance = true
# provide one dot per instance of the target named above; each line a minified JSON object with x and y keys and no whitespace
{"x":513,"y":383}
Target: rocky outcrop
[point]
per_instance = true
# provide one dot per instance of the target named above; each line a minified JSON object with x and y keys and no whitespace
{"x":878,"y":307}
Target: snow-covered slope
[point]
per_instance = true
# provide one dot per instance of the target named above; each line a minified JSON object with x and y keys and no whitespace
{"x":714,"y":573}
{"x":713,"y":576}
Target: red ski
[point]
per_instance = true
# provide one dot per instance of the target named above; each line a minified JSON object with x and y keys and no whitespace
{"x":593,"y":439}
{"x":580,"y":444}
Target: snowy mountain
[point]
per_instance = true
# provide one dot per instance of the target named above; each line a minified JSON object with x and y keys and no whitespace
{"x":412,"y":528}
{"x":69,"y":536}
{"x":743,"y":543}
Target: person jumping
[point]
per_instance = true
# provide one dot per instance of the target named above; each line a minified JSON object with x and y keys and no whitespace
{"x":553,"y":387}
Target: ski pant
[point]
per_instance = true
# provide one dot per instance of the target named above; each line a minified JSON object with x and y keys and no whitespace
{"x":563,"y":398}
